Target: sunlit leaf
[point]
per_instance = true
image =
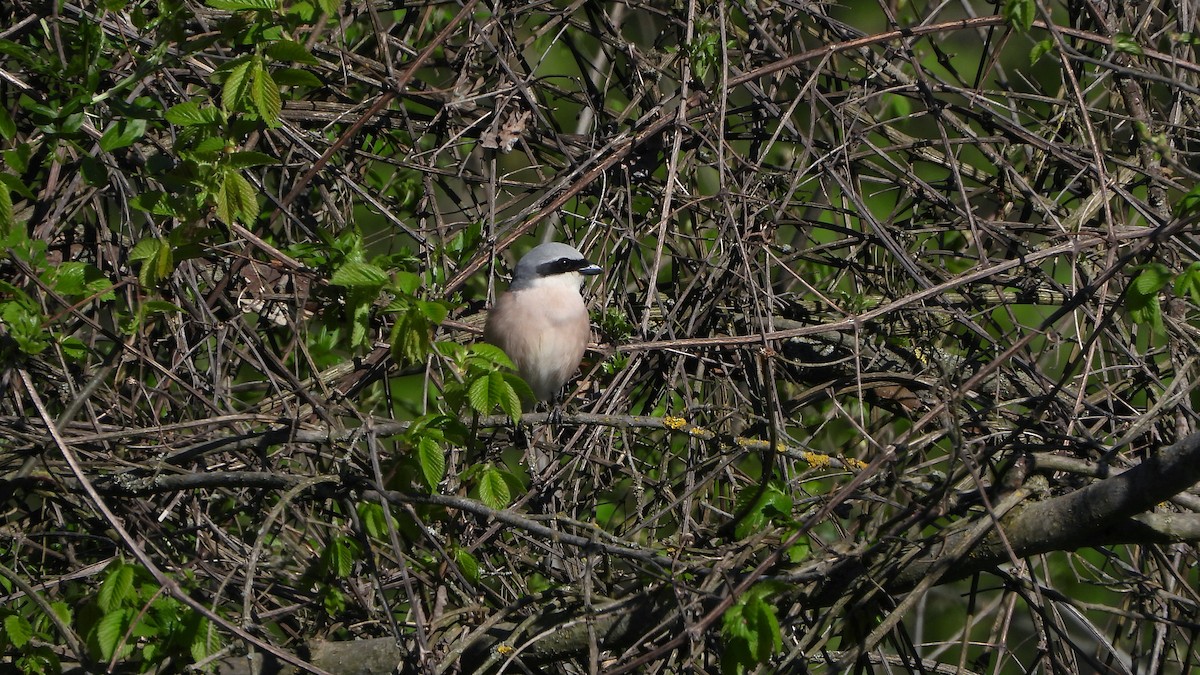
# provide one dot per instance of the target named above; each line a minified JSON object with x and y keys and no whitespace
{"x":243,"y":5}
{"x":111,"y":630}
{"x":432,"y":459}
{"x":265,"y":94}
{"x":1019,"y":13}
{"x":190,"y":113}
{"x":236,"y":91}
{"x":493,"y":489}
{"x":116,"y":587}
{"x":359,"y":275}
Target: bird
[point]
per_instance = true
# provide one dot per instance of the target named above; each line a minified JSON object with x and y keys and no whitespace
{"x":541,"y":322}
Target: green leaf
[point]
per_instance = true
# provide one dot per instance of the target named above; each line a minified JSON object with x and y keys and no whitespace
{"x":750,"y":631}
{"x":435,"y":312}
{"x":1147,"y":311}
{"x":246,"y":159}
{"x":410,"y":338}
{"x":493,"y":489}
{"x":1125,"y":43}
{"x":62,"y":611}
{"x":290,"y":50}
{"x":406,"y":282}
{"x":1152,"y":278}
{"x":338,"y":557}
{"x":122,"y":134}
{"x":467,"y":564}
{"x":18,"y":630}
{"x":358,"y":304}
{"x":758,"y":506}
{"x":205,"y":641}
{"x":155,"y":202}
{"x":295,"y":77}
{"x":766,"y":628}
{"x":236,"y":92}
{"x":1187,"y":284}
{"x":8,"y":128}
{"x":1039,"y":50}
{"x":492,"y":354}
{"x":1019,"y":13}
{"x":146,"y":249}
{"x":374,"y":519}
{"x":237,"y":199}
{"x":432,"y":460}
{"x":479,"y":394}
{"x":159,"y":307}
{"x":116,"y":588}
{"x":514,"y":391}
{"x":359,"y":275}
{"x":266,"y":96}
{"x":15,"y":184}
{"x":1190,"y":202}
{"x":799,"y":551}
{"x":73,"y":348}
{"x":243,"y":5}
{"x":164,"y":263}
{"x":520,"y":387}
{"x":7,"y":220}
{"x":333,"y":601}
{"x":111,"y":630}
{"x":191,"y":114}
{"x":70,"y":278}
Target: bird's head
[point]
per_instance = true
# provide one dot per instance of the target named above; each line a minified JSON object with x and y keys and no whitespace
{"x":552,"y":263}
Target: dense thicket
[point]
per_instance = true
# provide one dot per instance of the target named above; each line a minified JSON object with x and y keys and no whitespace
{"x":894,"y":346}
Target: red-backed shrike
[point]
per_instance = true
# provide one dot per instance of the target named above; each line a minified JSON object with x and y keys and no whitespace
{"x":540,"y":321}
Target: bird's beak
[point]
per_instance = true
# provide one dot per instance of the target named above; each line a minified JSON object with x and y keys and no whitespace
{"x":592,"y":269}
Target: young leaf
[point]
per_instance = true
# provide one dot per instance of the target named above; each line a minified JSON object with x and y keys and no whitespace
{"x":243,"y":5}
{"x":18,"y":630}
{"x":116,"y":588}
{"x":295,"y":77}
{"x":374,"y":518}
{"x":1019,"y":13}
{"x":111,"y":630}
{"x":190,"y":114}
{"x":433,"y":461}
{"x":493,"y":489}
{"x":492,"y":354}
{"x":410,"y":339}
{"x":122,"y":134}
{"x":1039,"y":50}
{"x":155,"y":202}
{"x":467,"y":564}
{"x":511,"y":391}
{"x":1125,"y":43}
{"x":1187,"y":284}
{"x":237,"y":199}
{"x":1190,"y":202}
{"x":6,"y":209}
{"x":290,"y":50}
{"x":237,"y":86}
{"x":479,"y":394}
{"x":265,"y":93}
{"x":338,"y":557}
{"x":1152,"y":278}
{"x":8,"y":128}
{"x":246,"y":159}
{"x":359,"y":275}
